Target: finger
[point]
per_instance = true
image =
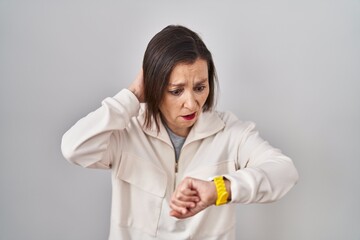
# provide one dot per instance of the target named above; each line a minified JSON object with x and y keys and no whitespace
{"x":183,"y":201}
{"x":180,"y":210}
{"x":188,"y":192}
{"x":180,"y":215}
{"x":184,"y":198}
{"x":186,"y":195}
{"x":176,"y":214}
{"x":181,"y":207}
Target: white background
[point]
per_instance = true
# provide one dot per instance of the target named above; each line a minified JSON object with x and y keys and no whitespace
{"x":293,"y":67}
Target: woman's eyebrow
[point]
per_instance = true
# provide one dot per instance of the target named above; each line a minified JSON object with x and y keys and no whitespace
{"x":176,"y":84}
{"x":183,"y":84}
{"x":201,"y":81}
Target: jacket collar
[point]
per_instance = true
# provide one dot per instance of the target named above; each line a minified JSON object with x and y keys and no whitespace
{"x":207,"y":124}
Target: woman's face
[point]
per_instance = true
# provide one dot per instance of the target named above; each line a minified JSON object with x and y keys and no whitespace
{"x":185,"y":96}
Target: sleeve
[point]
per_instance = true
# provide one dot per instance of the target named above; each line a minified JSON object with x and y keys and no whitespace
{"x":265,"y":174}
{"x":94,"y":140}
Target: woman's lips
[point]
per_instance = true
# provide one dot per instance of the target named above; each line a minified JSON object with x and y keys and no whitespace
{"x":190,"y":116}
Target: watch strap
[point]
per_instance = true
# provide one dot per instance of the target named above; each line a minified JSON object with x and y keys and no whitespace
{"x":221,"y":191}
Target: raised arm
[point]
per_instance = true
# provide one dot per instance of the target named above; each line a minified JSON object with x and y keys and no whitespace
{"x":94,"y":140}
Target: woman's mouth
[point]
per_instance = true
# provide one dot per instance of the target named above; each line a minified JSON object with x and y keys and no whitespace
{"x":190,"y":116}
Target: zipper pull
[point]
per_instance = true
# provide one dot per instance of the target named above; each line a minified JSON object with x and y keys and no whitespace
{"x":176,"y":167}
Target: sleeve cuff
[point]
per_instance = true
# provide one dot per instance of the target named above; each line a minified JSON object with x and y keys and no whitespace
{"x":234,"y":188}
{"x":127,"y":99}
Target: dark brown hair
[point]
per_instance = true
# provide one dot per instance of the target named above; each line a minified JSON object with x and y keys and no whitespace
{"x":171,"y":46}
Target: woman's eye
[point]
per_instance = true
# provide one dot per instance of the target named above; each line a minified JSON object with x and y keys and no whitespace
{"x":176,"y":92}
{"x":200,"y":88}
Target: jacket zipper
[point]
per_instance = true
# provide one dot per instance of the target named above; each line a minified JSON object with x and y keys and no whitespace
{"x":176,"y":168}
{"x":175,"y":175}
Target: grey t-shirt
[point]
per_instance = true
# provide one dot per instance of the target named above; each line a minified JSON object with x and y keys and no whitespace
{"x":176,"y":140}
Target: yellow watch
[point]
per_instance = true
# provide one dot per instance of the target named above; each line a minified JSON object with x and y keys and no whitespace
{"x":221,"y":191}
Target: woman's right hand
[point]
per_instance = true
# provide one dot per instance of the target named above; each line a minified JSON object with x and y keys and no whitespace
{"x":137,"y":86}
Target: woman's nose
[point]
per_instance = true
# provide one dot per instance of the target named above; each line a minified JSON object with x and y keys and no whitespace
{"x":190,"y":101}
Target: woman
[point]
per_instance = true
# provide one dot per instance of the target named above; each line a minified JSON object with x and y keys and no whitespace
{"x":178,"y":167}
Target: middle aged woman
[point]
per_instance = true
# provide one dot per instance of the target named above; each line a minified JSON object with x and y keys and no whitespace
{"x":178,"y":166}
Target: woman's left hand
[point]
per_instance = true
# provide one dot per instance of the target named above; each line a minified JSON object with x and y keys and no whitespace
{"x":192,"y":196}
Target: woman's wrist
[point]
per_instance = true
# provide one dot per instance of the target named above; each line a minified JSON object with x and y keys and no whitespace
{"x":135,"y":92}
{"x":137,"y":86}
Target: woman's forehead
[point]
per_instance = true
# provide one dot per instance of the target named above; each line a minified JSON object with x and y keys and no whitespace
{"x":183,"y":73}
